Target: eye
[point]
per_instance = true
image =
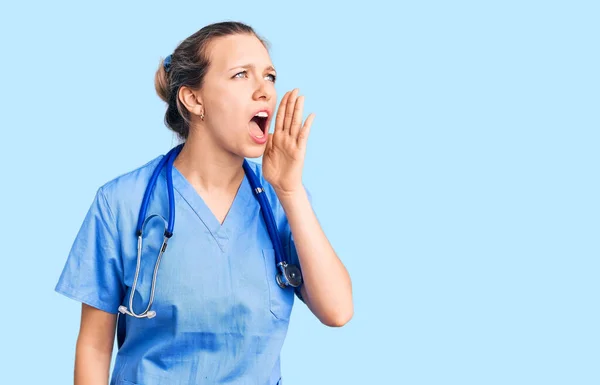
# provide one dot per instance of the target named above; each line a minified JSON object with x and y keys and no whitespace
{"x":244,"y":74}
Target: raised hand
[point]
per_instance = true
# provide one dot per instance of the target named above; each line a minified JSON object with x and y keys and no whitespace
{"x":283,"y":159}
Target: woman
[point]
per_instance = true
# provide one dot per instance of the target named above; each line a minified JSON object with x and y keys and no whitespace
{"x":218,"y":313}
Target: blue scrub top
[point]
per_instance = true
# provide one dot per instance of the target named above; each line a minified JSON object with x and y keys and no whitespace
{"x":220,"y":318}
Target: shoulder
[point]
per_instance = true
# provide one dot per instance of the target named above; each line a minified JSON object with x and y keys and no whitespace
{"x":128,"y":187}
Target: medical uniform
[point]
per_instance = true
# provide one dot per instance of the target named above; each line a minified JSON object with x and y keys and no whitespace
{"x":220,"y":317}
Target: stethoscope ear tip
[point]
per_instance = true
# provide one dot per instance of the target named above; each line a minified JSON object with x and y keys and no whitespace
{"x":148,"y":314}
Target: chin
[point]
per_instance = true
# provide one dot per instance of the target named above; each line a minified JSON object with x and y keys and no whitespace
{"x":254,"y":151}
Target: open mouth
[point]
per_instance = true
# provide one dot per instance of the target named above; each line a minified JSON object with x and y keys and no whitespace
{"x":258,"y":124}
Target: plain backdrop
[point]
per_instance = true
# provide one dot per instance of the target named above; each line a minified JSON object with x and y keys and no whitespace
{"x":453,"y":164}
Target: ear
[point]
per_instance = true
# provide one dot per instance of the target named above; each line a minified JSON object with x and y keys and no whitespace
{"x":191,"y":100}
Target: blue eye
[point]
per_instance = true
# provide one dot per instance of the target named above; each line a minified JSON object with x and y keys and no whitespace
{"x":244,"y":74}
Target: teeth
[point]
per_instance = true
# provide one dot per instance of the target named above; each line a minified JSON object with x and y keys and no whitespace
{"x":262,"y":114}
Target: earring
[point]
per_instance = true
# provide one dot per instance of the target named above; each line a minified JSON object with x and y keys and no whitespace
{"x":202,"y":116}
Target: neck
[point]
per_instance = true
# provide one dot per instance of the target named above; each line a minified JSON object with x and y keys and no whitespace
{"x":208,"y":167}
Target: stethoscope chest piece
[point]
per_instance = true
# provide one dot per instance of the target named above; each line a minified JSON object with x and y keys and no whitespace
{"x":290,"y":275}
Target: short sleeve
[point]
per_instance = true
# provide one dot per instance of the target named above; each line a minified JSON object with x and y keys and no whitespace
{"x":93,"y":271}
{"x":293,"y":253}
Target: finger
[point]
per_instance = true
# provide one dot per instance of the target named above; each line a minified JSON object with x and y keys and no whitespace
{"x":297,"y":117}
{"x":289,"y":110}
{"x":303,"y":135}
{"x":280,"y":112}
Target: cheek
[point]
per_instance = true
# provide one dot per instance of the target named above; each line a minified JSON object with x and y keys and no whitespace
{"x":227,"y":115}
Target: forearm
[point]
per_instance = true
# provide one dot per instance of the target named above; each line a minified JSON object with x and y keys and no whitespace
{"x":91,"y":365}
{"x":327,"y":285}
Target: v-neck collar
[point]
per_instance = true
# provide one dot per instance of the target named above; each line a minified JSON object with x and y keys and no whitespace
{"x":220,"y":232}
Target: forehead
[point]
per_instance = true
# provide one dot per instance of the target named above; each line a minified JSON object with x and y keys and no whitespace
{"x":237,"y":50}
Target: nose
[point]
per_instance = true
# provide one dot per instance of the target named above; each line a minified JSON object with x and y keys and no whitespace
{"x":263,"y":91}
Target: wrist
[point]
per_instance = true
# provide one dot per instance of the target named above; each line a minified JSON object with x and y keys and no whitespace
{"x":291,"y":195}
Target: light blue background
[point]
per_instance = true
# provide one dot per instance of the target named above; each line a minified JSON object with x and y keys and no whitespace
{"x":453,"y":163}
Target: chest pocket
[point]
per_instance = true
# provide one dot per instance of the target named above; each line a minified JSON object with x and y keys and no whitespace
{"x":280,"y":300}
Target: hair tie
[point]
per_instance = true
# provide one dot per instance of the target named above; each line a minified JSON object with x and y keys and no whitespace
{"x":167,"y":63}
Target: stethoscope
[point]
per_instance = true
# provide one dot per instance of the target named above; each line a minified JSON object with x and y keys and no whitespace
{"x":288,"y":275}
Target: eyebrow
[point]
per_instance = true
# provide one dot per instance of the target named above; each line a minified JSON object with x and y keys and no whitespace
{"x":252,"y":66}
